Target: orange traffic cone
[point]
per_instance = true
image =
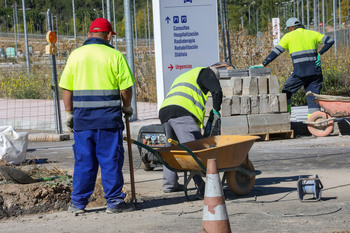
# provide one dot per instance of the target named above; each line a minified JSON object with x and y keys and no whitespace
{"x":215,"y":218}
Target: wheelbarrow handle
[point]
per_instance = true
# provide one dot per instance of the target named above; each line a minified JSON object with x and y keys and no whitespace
{"x":176,"y":143}
{"x":173,"y":142}
{"x":140,"y":144}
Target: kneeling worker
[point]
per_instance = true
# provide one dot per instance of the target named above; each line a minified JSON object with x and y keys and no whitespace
{"x":182,"y":115}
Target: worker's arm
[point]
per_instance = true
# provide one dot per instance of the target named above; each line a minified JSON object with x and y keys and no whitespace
{"x":67,"y":97}
{"x":126,"y":96}
{"x":328,"y":42}
{"x":278,"y":50}
{"x":208,"y":81}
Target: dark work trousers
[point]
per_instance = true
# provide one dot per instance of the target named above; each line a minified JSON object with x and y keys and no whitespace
{"x":183,"y":129}
{"x":310,"y":83}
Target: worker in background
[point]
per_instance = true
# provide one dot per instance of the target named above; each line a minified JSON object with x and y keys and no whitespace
{"x":182,"y":115}
{"x":97,"y":88}
{"x":302,"y":45}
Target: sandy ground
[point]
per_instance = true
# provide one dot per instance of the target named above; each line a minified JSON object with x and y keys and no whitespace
{"x":272,"y":206}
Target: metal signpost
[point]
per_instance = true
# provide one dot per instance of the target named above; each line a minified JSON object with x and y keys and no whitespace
{"x":185,"y":37}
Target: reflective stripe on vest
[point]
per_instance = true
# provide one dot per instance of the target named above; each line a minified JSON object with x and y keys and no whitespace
{"x":186,"y":93}
{"x":304,"y":56}
{"x":96,"y":98}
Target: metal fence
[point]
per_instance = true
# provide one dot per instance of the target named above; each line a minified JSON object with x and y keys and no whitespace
{"x":39,"y":112}
{"x":26,"y":101}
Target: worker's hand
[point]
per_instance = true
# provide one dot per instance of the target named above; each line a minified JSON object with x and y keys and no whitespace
{"x":213,"y":126}
{"x":257,"y":66}
{"x":216,"y":125}
{"x":69,"y":121}
{"x":216,"y":114}
{"x":127,"y":111}
{"x":318,"y":60}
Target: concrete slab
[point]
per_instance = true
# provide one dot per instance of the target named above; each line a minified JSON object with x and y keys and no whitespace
{"x":234,"y":125}
{"x":261,"y":123}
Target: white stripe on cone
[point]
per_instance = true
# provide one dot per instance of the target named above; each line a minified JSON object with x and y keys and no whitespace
{"x":220,"y":213}
{"x":213,"y":186}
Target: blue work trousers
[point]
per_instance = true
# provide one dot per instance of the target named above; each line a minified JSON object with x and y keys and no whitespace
{"x":92,"y":148}
{"x":310,"y":83}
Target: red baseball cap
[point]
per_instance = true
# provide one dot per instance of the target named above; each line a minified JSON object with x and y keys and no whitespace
{"x":101,"y":25}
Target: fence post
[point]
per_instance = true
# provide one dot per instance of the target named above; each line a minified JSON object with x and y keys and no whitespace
{"x":56,"y":97}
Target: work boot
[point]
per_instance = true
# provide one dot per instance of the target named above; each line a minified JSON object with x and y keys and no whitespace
{"x":121,"y":207}
{"x":177,"y":188}
{"x":75,"y":210}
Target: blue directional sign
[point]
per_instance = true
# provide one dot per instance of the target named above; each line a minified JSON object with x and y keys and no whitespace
{"x":167,"y":19}
{"x":176,"y":19}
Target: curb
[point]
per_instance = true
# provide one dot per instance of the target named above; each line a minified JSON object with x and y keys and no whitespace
{"x":44,"y":137}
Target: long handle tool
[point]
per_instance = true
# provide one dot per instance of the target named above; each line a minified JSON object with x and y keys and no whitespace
{"x":131,"y":165}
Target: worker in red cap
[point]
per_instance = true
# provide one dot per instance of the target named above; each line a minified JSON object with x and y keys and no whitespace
{"x":97,"y":89}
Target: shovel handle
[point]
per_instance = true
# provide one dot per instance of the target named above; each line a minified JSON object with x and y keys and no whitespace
{"x":131,"y":165}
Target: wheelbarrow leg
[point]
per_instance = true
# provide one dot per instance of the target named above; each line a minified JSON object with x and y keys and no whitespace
{"x":187,"y":180}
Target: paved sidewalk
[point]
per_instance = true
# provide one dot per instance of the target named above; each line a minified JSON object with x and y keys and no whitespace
{"x":39,"y":115}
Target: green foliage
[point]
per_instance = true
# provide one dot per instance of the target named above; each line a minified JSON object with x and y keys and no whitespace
{"x":20,"y":86}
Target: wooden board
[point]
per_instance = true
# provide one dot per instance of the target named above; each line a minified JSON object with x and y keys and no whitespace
{"x":283,"y":134}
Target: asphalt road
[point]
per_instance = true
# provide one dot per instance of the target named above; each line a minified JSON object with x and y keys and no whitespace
{"x":272,"y":206}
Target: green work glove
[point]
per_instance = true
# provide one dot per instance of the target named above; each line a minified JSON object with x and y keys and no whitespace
{"x":69,"y":121}
{"x":318,"y":60}
{"x":213,"y":126}
{"x":216,"y":126}
{"x":256,"y":66}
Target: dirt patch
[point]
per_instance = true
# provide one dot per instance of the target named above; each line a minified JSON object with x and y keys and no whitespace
{"x":41,"y":197}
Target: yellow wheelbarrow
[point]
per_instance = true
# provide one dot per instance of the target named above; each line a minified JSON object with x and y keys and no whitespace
{"x":230,"y":152}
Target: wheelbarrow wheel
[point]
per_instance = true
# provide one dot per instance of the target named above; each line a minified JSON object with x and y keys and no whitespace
{"x":322,"y":130}
{"x":239,"y":182}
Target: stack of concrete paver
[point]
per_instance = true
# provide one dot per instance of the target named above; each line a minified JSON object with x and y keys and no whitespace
{"x":252,"y":103}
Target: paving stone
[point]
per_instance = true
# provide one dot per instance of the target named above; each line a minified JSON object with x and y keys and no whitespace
{"x":250,"y":86}
{"x":226,"y":106}
{"x":237,"y":83}
{"x":245,"y":104}
{"x":254,"y":104}
{"x":236,"y":105}
{"x":234,"y":125}
{"x":274,"y":87}
{"x":262,"y":85}
{"x":259,"y":72}
{"x":233,"y":73}
{"x":273,"y":103}
{"x":226,"y":86}
{"x":263,"y":123}
{"x":263,"y":104}
{"x":282,"y":100}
